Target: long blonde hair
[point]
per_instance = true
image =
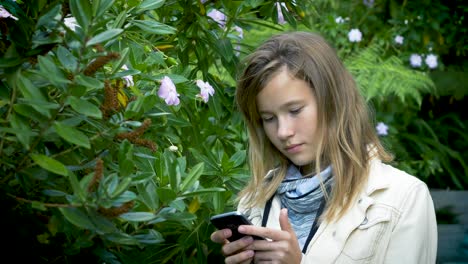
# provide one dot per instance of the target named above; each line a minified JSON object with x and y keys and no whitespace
{"x":344,"y":129}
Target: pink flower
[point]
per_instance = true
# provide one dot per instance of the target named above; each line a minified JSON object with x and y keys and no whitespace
{"x":218,"y":17}
{"x":5,"y":14}
{"x":206,"y":90}
{"x":382,"y":129}
{"x":280,"y":13}
{"x":240,"y":31}
{"x":168,"y":92}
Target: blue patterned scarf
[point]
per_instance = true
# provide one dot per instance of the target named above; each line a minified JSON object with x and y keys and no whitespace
{"x":302,"y":197}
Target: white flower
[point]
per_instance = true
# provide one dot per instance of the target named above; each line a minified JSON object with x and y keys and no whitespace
{"x":127,"y":78}
{"x":71,"y":23}
{"x":399,"y":39}
{"x":280,"y":13}
{"x":173,"y":148}
{"x":382,"y":129}
{"x":5,"y":14}
{"x":218,"y":17}
{"x":415,"y":60}
{"x":339,"y":20}
{"x":206,"y":90}
{"x":355,"y":35}
{"x":168,"y":92}
{"x":406,"y":21}
{"x":431,"y":61}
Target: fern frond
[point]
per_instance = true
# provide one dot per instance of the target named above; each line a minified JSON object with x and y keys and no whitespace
{"x":379,"y":78}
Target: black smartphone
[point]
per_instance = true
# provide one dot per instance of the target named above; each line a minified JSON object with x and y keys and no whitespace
{"x":231,"y":220}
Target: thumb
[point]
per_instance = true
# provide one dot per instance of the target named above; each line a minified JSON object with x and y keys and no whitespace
{"x":284,"y":221}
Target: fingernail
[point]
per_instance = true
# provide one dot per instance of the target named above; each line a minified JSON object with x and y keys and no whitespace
{"x":250,"y":253}
{"x":248,"y":239}
{"x":241,"y":229}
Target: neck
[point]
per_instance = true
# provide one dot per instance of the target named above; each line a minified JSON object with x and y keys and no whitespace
{"x":309,"y":169}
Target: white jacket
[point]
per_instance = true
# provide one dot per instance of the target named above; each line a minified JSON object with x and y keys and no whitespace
{"x":393,"y":221}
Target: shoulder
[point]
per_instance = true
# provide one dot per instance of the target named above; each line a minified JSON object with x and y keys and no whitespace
{"x":393,"y":186}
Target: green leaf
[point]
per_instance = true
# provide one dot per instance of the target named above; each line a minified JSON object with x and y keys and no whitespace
{"x":66,"y":58}
{"x":29,"y":90}
{"x":123,"y":58}
{"x":72,"y":135}
{"x":120,"y":20}
{"x":103,"y":6}
{"x":10,"y":62}
{"x":104,"y":36}
{"x":150,"y":5}
{"x":21,"y":130}
{"x":39,"y":206}
{"x":81,"y":10}
{"x":148,"y":195}
{"x":126,"y":163}
{"x":76,"y":186}
{"x":84,"y":107}
{"x":49,"y":19}
{"x":138,"y":216}
{"x":192,"y":177}
{"x":89,"y":82}
{"x":238,"y":158}
{"x":122,"y":187}
{"x":50,"y":164}
{"x":224,"y":48}
{"x":77,"y":217}
{"x":166,"y":195}
{"x":203,"y":191}
{"x":154,"y":27}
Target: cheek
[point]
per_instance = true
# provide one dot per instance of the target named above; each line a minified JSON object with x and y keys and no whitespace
{"x":269,"y":133}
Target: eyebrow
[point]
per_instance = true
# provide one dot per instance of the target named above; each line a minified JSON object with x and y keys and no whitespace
{"x":286,"y":105}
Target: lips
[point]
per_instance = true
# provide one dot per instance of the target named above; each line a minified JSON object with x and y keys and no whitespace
{"x":293,"y":148}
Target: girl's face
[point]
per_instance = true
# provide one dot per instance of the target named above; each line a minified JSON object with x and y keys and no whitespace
{"x":288,"y":110}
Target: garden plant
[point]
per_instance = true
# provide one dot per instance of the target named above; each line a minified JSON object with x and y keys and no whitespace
{"x":119,"y":137}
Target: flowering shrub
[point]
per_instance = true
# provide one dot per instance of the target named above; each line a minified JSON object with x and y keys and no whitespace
{"x":119,"y":137}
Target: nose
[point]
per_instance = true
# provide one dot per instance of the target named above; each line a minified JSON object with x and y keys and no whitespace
{"x":285,"y":128}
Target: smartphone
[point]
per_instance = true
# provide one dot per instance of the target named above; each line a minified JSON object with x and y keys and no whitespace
{"x":231,"y":220}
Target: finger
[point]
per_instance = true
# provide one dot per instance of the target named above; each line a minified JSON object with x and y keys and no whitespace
{"x":237,"y":246}
{"x":242,"y":257}
{"x":284,"y":221}
{"x":265,"y":232}
{"x":221,"y":236}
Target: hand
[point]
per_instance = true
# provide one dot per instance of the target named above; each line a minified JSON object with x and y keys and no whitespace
{"x":235,"y":252}
{"x":283,"y":247}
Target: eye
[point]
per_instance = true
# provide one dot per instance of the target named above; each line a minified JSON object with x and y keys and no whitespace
{"x":267,"y":119}
{"x":295,"y":111}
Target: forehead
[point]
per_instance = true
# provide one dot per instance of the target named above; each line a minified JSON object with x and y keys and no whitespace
{"x":282,"y":91}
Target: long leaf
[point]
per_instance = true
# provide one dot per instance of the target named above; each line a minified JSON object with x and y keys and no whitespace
{"x":77,"y":217}
{"x":104,"y":36}
{"x":192,"y":177}
{"x":72,"y":135}
{"x":50,"y":164}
